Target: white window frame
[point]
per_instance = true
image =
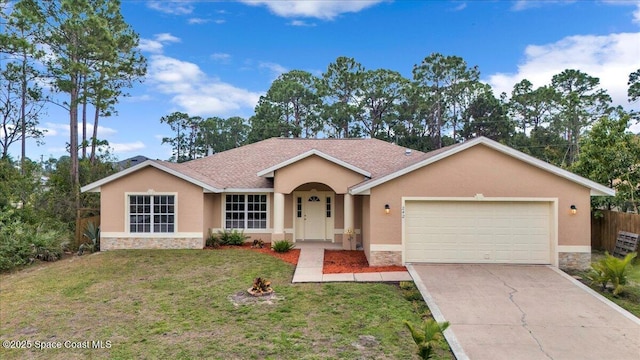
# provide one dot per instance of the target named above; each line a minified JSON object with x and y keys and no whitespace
{"x":246,"y":212}
{"x":127,"y":213}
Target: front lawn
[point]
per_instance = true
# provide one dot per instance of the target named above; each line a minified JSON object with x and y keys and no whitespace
{"x":180,"y":304}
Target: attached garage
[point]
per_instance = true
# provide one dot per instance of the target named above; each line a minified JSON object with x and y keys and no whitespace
{"x":479,"y":231}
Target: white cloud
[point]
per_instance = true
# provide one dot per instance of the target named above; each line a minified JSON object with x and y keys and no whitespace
{"x":520,"y":5}
{"x":219,"y":21}
{"x":126,"y":147}
{"x":275,"y":69}
{"x":321,"y":9}
{"x":609,"y":57}
{"x":221,"y":57}
{"x":156,"y":46}
{"x":151,"y":46}
{"x":58,"y":150}
{"x":137,"y":99}
{"x":54,"y":129}
{"x":195,"y":92}
{"x":636,"y":14}
{"x":460,"y":7}
{"x":193,"y":21}
{"x":179,"y":7}
{"x":301,"y":23}
{"x":166,"y":37}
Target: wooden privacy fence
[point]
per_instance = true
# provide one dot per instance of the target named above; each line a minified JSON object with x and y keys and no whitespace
{"x":84,"y":217}
{"x":604,"y":230}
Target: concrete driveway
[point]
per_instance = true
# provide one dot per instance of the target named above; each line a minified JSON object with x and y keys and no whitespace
{"x":525,"y":312}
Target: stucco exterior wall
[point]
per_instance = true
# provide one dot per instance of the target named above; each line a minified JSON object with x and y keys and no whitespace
{"x":366,"y":225}
{"x":481,"y":170}
{"x":212,"y":216}
{"x":315,"y":169}
{"x":189,"y":199}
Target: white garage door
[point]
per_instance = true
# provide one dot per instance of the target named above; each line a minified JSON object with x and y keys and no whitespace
{"x":477,"y":232}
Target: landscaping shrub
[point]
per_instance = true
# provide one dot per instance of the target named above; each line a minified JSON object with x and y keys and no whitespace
{"x":427,"y":337}
{"x":282,"y":246}
{"x":232,"y":237}
{"x":22,"y":242}
{"x":260,"y":286}
{"x":213,"y":241}
{"x":611,"y":269}
{"x":91,"y":232}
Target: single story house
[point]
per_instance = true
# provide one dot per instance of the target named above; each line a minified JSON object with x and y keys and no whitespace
{"x":473,"y":202}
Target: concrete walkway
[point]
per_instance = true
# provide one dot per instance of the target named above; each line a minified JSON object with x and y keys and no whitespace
{"x":309,"y":268}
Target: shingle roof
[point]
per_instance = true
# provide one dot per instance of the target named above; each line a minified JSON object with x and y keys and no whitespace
{"x":238,"y":168}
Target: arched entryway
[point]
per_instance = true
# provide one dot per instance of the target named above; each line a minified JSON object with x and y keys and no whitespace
{"x":314,"y":212}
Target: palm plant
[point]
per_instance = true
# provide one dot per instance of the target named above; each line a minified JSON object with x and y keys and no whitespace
{"x":91,"y":232}
{"x":610,"y":268}
{"x":428,"y":336}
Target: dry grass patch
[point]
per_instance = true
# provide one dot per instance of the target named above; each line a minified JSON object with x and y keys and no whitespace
{"x":175,"y":304}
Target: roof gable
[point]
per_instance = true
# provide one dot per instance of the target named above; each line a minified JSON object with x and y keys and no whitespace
{"x":596,"y":189}
{"x":95,"y":186}
{"x":269,"y":172}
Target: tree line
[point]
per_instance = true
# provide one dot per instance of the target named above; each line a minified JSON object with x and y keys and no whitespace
{"x":565,"y":122}
{"x":82,"y":51}
{"x":79,"y":55}
{"x":444,"y":103}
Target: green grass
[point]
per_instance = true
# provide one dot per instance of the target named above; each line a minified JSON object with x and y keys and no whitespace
{"x":176,"y":304}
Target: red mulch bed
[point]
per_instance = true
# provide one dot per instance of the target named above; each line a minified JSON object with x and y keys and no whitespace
{"x":351,"y":261}
{"x":291,"y":256}
{"x":335,"y":261}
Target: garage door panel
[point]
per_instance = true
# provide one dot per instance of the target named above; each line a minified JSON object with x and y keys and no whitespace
{"x":477,"y":232}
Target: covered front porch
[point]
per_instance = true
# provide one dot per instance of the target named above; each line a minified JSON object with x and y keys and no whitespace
{"x":315,"y":213}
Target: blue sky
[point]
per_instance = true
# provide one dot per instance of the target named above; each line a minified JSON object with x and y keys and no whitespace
{"x":215,"y":58}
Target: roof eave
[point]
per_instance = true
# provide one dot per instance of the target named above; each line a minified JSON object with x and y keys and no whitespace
{"x":96,"y":186}
{"x":270,"y":172}
{"x":596,"y":189}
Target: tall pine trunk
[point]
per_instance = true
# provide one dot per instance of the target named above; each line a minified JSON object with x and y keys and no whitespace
{"x":84,"y":118}
{"x":94,"y":137}
{"x":23,"y":110}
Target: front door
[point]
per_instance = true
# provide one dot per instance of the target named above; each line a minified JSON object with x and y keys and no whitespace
{"x":313,"y":215}
{"x":314,"y":220}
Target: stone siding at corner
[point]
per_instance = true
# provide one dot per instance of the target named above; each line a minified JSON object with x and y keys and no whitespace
{"x":574,"y":260}
{"x":150,"y":243}
{"x":385,"y":258}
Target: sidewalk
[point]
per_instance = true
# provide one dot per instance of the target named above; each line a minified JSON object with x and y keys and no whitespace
{"x":309,"y":268}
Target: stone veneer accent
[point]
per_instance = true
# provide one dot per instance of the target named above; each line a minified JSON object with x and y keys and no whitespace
{"x":574,"y":260}
{"x":150,"y":243}
{"x":385,"y":258}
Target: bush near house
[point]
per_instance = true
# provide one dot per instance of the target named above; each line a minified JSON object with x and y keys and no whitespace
{"x":23,"y":241}
{"x":231,"y":237}
{"x":282,"y":246}
{"x":612,"y":270}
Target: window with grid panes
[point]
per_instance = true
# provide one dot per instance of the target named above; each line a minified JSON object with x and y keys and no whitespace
{"x":246,"y":211}
{"x":151,"y":213}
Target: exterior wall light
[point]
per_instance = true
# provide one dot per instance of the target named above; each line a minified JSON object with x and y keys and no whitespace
{"x":387,"y":209}
{"x":574,"y":210}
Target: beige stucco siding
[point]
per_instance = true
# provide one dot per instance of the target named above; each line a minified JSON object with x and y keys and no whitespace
{"x":315,"y":169}
{"x":149,"y":180}
{"x":480,"y":170}
{"x":288,"y":211}
{"x":212,"y":216}
{"x":366,"y":226}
